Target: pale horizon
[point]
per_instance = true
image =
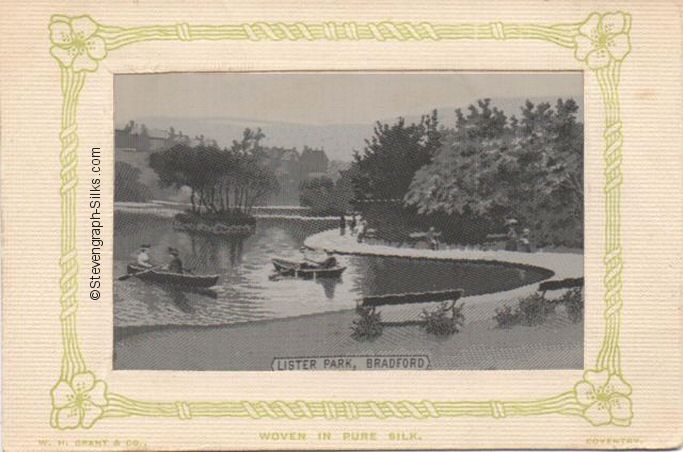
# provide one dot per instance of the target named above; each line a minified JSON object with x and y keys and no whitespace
{"x":335,"y":111}
{"x":325,"y":98}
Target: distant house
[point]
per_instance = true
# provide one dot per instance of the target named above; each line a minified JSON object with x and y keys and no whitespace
{"x":135,"y":137}
{"x":157,"y":139}
{"x":138,"y":138}
{"x":313,"y":161}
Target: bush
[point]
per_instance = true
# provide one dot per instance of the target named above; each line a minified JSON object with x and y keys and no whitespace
{"x":534,"y":309}
{"x":440,"y":323}
{"x":369,"y":324}
{"x":318,"y":195}
{"x":573,"y":303}
{"x":127,"y":185}
{"x":506,"y":317}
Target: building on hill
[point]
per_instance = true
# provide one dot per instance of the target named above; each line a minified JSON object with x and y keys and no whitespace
{"x":281,"y":158}
{"x":313,"y":161}
{"x":138,"y":138}
{"x":135,"y":137}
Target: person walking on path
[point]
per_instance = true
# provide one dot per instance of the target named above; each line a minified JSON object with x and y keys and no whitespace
{"x":431,"y":239}
{"x":362,"y":230}
{"x":511,"y":243}
{"x":342,"y":224}
{"x":524,"y":242}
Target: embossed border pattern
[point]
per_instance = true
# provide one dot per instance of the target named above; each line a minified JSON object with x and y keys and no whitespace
{"x":601,"y":42}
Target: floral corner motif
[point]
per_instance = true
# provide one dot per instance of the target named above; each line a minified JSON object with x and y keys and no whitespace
{"x":76,"y":43}
{"x":604,"y":398}
{"x":603,"y":38}
{"x":79,"y":402}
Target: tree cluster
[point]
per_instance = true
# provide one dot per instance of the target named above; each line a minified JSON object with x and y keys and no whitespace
{"x":127,"y":186}
{"x":220,"y":180}
{"x":485,"y":169}
{"x":326,"y":197}
{"x":385,"y":168}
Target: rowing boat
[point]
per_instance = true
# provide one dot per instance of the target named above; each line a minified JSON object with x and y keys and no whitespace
{"x":173,"y":279}
{"x":302,"y":269}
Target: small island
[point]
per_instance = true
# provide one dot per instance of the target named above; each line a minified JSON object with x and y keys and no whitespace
{"x":224,"y":184}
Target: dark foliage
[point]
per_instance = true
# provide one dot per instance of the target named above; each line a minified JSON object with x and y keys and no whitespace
{"x":506,"y":317}
{"x":385,"y":168}
{"x":368,"y":325}
{"x":445,"y":320}
{"x":493,"y":167}
{"x":127,"y":185}
{"x":319,"y":194}
{"x":221,"y":180}
{"x":573,"y":303}
{"x":534,"y":309}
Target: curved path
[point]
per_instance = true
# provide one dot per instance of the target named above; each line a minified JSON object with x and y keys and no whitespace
{"x":563,"y":265}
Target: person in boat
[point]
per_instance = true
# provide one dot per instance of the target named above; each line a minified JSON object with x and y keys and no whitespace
{"x":329,"y":262}
{"x":143,"y":257}
{"x":175,"y":265}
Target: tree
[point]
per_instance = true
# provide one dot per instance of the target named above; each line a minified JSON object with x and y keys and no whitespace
{"x":392,"y":155}
{"x":461,"y":179}
{"x":318,"y":194}
{"x":184,"y":166}
{"x":343,"y":190}
{"x":550,"y":151}
{"x":127,"y":185}
{"x":529,"y":169}
{"x":481,"y":122}
{"x":220,"y":180}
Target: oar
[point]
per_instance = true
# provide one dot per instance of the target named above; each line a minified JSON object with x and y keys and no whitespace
{"x":128,"y":275}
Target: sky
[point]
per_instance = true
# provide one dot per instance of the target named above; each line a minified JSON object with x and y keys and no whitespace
{"x":324,"y":98}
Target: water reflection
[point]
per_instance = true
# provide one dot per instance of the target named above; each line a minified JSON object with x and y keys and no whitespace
{"x":245,"y":292}
{"x":328,"y":286}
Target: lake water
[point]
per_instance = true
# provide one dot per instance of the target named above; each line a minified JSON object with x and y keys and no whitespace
{"x":244,"y":291}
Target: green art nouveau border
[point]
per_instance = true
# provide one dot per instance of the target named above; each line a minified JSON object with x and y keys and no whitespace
{"x":601,"y":42}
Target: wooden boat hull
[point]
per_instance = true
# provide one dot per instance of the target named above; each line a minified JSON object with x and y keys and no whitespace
{"x":287,"y":267}
{"x":173,"y":279}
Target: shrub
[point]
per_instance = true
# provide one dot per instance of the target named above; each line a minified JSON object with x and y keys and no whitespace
{"x":368,"y":325}
{"x":440,"y":323}
{"x":534,"y":309}
{"x":573,"y":303}
{"x":506,"y":317}
{"x":127,"y":184}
